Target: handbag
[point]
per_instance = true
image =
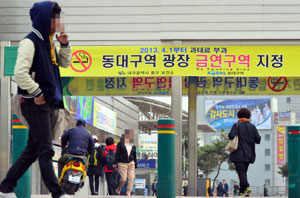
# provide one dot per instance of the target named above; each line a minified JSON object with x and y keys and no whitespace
{"x":233,"y":144}
{"x":114,"y":179}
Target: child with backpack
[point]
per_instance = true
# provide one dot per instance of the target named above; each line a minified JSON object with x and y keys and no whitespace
{"x":109,"y":160}
{"x":95,"y":166}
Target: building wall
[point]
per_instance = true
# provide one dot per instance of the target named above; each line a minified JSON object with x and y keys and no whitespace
{"x":127,"y":113}
{"x":136,"y":22}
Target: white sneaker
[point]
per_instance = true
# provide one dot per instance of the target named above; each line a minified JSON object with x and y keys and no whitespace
{"x":65,"y":196}
{"x":7,"y":195}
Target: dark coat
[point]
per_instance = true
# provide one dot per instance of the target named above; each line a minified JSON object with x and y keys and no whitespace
{"x":235,"y":189}
{"x":209,"y":191}
{"x":248,"y":136}
{"x":265,"y":191}
{"x":154,"y":187}
{"x":95,"y":170}
{"x":79,"y":141}
{"x":185,"y":190}
{"x":225,"y":188}
{"x":219,"y":189}
{"x":122,"y":155}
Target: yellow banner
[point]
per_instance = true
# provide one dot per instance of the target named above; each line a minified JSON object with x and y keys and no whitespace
{"x":141,"y":86}
{"x":113,"y":61}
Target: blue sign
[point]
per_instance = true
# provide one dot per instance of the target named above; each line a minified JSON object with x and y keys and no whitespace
{"x":151,"y":163}
{"x":222,"y":114}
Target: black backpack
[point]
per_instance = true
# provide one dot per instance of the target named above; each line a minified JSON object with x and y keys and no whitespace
{"x":110,"y":158}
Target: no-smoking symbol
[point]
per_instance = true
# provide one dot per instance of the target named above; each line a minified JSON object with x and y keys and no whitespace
{"x":81,"y":61}
{"x":277,"y":84}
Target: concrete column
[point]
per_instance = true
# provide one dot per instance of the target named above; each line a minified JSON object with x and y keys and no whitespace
{"x":5,"y":115}
{"x":192,"y":147}
{"x":177,"y":116}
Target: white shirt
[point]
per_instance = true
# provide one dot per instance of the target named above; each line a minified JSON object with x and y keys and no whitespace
{"x":128,"y":148}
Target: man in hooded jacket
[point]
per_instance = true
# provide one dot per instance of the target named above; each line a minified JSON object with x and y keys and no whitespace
{"x":38,"y":79}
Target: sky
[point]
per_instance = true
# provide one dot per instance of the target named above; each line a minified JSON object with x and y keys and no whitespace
{"x":167,"y":99}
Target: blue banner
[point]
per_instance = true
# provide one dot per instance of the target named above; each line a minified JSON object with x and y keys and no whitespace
{"x":222,"y":114}
{"x":151,"y":163}
{"x":85,"y":107}
{"x":81,"y":107}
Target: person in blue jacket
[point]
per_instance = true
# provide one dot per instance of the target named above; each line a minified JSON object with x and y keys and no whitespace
{"x":38,"y":79}
{"x":224,"y":188}
{"x":79,"y":142}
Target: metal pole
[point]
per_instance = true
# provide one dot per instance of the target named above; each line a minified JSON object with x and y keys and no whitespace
{"x":20,"y":137}
{"x":166,"y":158}
{"x":294,"y":160}
{"x":177,"y":115}
{"x":192,"y":147}
{"x":5,"y":115}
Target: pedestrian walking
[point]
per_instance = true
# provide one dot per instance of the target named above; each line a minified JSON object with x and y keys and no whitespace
{"x":219,"y":189}
{"x":154,"y":187}
{"x":224,"y":189}
{"x":95,"y":167}
{"x":126,"y":159}
{"x":245,"y":154}
{"x":209,"y":191}
{"x":236,"y":189}
{"x":70,"y":141}
{"x":109,"y":160}
{"x":38,"y":79}
{"x":265,"y":190}
{"x":185,"y":189}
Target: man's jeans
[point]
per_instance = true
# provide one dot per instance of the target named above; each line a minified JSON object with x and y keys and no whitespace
{"x":39,"y":146}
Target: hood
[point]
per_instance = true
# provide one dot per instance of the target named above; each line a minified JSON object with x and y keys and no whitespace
{"x":111,"y":147}
{"x":40,"y":15}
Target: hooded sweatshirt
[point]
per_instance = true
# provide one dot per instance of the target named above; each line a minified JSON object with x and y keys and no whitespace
{"x":35,"y":71}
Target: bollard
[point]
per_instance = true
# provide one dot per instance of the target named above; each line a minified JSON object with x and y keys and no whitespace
{"x":166,"y":158}
{"x":294,"y":160}
{"x":20,"y":137}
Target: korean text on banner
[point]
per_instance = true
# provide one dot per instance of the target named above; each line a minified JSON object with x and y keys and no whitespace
{"x":280,"y":145}
{"x":111,"y":61}
{"x":222,"y":114}
{"x":105,"y":119}
{"x":141,"y":86}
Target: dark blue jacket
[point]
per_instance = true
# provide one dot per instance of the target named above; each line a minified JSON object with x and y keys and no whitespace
{"x":80,"y":141}
{"x":46,"y":74}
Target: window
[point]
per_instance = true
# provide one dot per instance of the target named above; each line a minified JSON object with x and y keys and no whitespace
{"x":288,"y":100}
{"x":267,"y":137}
{"x":267,"y":182}
{"x":267,"y":152}
{"x":267,"y":167}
